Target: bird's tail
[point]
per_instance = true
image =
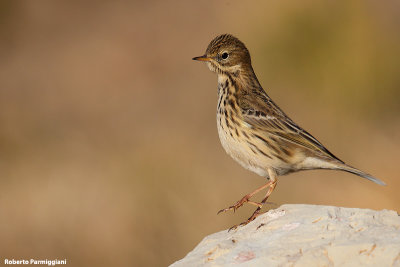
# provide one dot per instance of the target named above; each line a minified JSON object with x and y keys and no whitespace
{"x":347,"y":168}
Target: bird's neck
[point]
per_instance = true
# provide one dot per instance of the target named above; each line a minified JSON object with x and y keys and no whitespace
{"x":227,"y":85}
{"x":238,"y":81}
{"x":227,"y":90}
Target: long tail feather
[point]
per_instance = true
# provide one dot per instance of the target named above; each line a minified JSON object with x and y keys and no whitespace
{"x":355,"y":171}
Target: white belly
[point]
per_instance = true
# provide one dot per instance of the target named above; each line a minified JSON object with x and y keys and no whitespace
{"x":240,"y":151}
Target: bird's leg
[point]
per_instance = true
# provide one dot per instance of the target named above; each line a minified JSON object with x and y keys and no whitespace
{"x":246,"y":198}
{"x":272,"y":184}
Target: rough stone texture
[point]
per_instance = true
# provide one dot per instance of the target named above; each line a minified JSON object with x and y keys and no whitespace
{"x":305,"y":235}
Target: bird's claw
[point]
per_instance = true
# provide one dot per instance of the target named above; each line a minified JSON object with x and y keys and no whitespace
{"x":252,"y":218}
{"x":234,"y":208}
{"x":237,"y":205}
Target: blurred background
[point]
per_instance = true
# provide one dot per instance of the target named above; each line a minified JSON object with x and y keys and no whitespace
{"x":109,"y":154}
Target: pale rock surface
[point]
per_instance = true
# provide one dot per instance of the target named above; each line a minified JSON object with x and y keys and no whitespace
{"x":305,"y":235}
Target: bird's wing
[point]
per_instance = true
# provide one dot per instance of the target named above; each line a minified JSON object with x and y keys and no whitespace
{"x":262,"y":114}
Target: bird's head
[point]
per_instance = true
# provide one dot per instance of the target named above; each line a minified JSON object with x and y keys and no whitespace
{"x":226,"y":54}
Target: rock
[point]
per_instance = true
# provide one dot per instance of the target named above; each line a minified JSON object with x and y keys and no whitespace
{"x":305,"y":235}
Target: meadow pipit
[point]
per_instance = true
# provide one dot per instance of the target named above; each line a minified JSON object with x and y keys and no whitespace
{"x":254,"y":131}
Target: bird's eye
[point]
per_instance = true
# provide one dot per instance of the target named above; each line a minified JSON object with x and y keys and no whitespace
{"x":224,"y":55}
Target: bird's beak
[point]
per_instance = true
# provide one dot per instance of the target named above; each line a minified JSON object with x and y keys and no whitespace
{"x":202,"y":58}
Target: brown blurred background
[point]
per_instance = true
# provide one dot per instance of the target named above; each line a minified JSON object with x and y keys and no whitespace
{"x":109,"y":154}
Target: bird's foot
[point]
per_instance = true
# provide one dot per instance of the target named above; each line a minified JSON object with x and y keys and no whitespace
{"x":240,"y":203}
{"x":255,"y":214}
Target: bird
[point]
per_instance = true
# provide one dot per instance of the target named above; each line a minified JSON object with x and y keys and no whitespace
{"x":254,"y":131}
